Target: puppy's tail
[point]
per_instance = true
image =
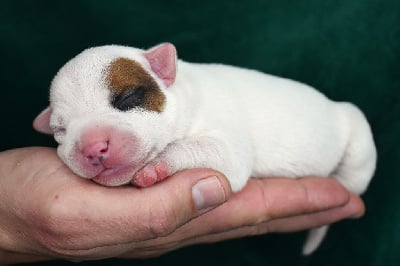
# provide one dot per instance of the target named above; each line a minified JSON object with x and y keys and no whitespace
{"x":314,"y":239}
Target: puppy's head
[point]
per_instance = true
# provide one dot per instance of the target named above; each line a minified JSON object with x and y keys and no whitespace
{"x":111,"y":110}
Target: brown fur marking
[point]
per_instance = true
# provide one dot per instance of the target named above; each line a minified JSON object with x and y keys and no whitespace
{"x":125,"y":75}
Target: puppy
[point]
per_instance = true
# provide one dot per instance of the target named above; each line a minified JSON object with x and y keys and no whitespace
{"x":124,"y":115}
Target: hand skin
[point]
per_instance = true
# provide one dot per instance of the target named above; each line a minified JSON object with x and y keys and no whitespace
{"x":46,"y":212}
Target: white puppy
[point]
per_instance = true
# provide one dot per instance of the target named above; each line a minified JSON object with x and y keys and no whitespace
{"x":125,"y":115}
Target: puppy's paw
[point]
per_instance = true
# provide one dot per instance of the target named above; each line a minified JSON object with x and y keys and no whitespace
{"x":150,"y":174}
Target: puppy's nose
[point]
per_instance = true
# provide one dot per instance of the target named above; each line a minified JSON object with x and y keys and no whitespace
{"x":96,"y":152}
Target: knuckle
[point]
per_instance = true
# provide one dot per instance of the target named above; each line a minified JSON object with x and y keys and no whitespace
{"x":162,"y":221}
{"x":60,"y":222}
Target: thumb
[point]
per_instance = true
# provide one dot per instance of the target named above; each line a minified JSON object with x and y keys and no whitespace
{"x":93,"y":221}
{"x":184,"y":196}
{"x":144,"y":214}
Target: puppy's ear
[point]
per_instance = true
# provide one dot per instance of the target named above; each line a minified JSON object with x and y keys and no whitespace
{"x":162,"y":59}
{"x":42,"y":121}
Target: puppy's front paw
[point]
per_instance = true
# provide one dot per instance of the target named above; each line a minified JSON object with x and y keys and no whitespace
{"x":150,"y":174}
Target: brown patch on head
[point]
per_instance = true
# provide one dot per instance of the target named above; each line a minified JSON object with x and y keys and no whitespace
{"x":131,"y":86}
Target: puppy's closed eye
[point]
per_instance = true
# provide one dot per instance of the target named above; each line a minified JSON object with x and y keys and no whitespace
{"x":129,"y":99}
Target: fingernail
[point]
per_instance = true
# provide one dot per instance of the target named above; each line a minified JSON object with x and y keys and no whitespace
{"x":208,"y":193}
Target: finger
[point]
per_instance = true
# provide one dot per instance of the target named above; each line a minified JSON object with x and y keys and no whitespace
{"x":267,"y":199}
{"x":289,"y":197}
{"x":354,"y":208}
{"x":251,"y":207}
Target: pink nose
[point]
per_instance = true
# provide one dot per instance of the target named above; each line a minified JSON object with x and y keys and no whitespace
{"x":96,"y":152}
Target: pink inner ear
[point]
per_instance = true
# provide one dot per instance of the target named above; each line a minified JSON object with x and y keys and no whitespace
{"x":42,"y":121}
{"x":162,"y":60}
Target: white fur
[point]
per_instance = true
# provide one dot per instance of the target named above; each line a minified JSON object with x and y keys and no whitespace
{"x":238,"y":121}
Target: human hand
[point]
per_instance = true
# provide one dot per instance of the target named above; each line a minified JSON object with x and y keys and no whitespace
{"x":46,"y":212}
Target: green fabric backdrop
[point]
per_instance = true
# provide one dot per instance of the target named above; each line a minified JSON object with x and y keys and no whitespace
{"x":347,"y":49}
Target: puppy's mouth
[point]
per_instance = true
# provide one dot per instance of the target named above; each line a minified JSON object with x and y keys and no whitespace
{"x":119,"y":175}
{"x":115,"y":176}
{"x":112,"y":171}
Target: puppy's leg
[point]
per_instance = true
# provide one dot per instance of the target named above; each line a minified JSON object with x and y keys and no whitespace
{"x":359,"y":161}
{"x":222,"y":153}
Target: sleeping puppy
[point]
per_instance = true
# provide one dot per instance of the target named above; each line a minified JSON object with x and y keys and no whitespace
{"x":123,"y":115}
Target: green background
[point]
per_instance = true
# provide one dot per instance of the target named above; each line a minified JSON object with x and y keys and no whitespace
{"x":347,"y":49}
